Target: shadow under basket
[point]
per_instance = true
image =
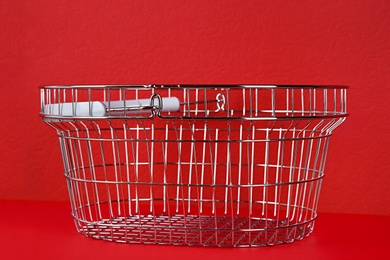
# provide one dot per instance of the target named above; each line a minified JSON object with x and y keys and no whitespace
{"x":195,"y":165}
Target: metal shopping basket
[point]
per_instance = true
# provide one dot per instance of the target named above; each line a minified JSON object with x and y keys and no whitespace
{"x":198,"y":165}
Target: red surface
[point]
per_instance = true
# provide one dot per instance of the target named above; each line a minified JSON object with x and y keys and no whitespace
{"x":45,"y":230}
{"x":47,"y":42}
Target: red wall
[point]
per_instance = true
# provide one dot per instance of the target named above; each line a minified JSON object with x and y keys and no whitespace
{"x":47,"y":42}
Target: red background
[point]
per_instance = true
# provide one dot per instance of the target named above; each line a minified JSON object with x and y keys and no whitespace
{"x":47,"y":42}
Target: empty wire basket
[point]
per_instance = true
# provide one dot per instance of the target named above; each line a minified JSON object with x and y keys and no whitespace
{"x":201,"y":165}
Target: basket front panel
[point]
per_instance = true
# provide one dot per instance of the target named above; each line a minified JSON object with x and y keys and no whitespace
{"x":238,"y":171}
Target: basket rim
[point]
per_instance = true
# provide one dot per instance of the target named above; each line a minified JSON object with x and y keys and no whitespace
{"x":189,"y":86}
{"x":338,"y":114}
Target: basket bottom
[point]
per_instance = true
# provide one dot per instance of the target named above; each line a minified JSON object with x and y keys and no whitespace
{"x":216,"y":231}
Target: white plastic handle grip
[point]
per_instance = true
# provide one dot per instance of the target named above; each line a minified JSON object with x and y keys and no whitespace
{"x":97,"y":108}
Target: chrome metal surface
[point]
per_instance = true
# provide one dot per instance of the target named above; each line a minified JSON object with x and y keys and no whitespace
{"x":232,"y":166}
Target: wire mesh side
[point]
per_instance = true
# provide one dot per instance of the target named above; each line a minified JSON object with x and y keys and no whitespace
{"x":195,"y":183}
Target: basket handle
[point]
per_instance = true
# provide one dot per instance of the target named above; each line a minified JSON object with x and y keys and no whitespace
{"x":155,"y":104}
{"x":166,"y":104}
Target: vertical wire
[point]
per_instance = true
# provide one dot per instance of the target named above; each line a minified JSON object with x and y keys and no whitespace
{"x":316,"y":167}
{"x":59,"y":101}
{"x":257,"y":101}
{"x":70,"y":169}
{"x":228,"y":168}
{"x":278,"y":166}
{"x":315,"y":101}
{"x":121,"y":199}
{"x":152,"y":167}
{"x":215,"y":170}
{"x":82,"y":167}
{"x":127,"y":168}
{"x":200,"y":193}
{"x":212,"y":172}
{"x":226,"y":103}
{"x":290,"y":179}
{"x":306,"y":169}
{"x":105,"y":172}
{"x":315,"y":171}
{"x":135,"y":150}
{"x":310,"y":102}
{"x":75,"y":98}
{"x":293,"y":161}
{"x":166,"y":197}
{"x":135,"y":187}
{"x":215,"y":187}
{"x":273,"y":103}
{"x":207,"y":112}
{"x":67,"y":168}
{"x":250,"y":103}
{"x":179,"y":167}
{"x":251,"y":156}
{"x":265,"y":177}
{"x":55,"y":101}
{"x":287,"y":102}
{"x":311,"y":205}
{"x":181,"y":185}
{"x":73,"y":103}
{"x":48,"y":101}
{"x":196,"y":102}
{"x":252,"y":165}
{"x":232,"y":220}
{"x":126,"y":199}
{"x":243,"y":102}
{"x":165,"y":156}
{"x":298,"y":185}
{"x":191,"y":166}
{"x":149,"y":158}
{"x":108,"y":103}
{"x":265,"y":183}
{"x":138,"y":183}
{"x":114,"y":155}
{"x":93,"y":172}
{"x":169,"y":95}
{"x":179,"y":143}
{"x":321,"y":171}
{"x":194,"y":154}
{"x":239,"y":172}
{"x":302,"y":102}
{"x":136,"y":164}
{"x":43,"y":101}
{"x":292,"y":102}
{"x":150,"y":155}
{"x":320,"y":151}
{"x":325,"y":101}
{"x":123,"y":96}
{"x":345,"y":101}
{"x":184,"y":102}
{"x":189,"y":102}
{"x":279,"y":181}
